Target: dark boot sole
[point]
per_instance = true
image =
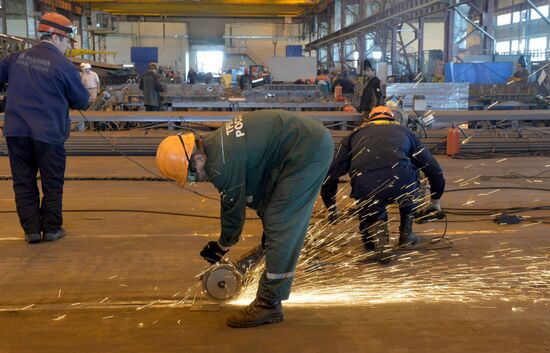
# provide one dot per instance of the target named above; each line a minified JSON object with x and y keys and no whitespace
{"x":33,"y":238}
{"x":267,"y":320}
{"x":53,"y":237}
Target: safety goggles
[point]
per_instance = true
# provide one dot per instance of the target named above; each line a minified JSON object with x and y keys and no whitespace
{"x":70,"y":31}
{"x":73,"y":33}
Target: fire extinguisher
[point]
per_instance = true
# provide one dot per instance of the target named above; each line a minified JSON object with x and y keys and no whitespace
{"x":338,"y":93}
{"x":453,"y":141}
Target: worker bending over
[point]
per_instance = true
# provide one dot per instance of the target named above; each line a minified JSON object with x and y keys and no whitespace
{"x":271,"y":161}
{"x":383,"y":160}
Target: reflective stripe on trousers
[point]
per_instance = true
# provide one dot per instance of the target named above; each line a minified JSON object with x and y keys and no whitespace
{"x":279,"y":275}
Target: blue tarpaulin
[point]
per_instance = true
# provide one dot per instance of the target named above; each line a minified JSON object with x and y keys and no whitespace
{"x":480,"y":73}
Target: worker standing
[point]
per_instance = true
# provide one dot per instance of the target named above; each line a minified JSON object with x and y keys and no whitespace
{"x":521,"y":75}
{"x":372,"y":93}
{"x":151,"y":87}
{"x":90,"y":80}
{"x":383,"y":160}
{"x":192,"y":76}
{"x":271,"y":161}
{"x":39,"y":78}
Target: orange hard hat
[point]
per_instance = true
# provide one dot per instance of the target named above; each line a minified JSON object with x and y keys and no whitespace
{"x":381,"y":112}
{"x":53,"y":22}
{"x":174,"y":155}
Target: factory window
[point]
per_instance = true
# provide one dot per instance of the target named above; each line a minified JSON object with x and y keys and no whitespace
{"x":337,"y":20}
{"x":517,"y":46}
{"x":519,"y":16}
{"x":504,"y":20}
{"x":377,"y":55}
{"x":503,"y":47}
{"x":210,"y":61}
{"x":542,"y":9}
{"x":336,"y":52}
{"x":537,"y":47}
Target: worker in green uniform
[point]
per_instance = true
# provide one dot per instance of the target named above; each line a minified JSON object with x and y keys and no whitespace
{"x":274,"y":162}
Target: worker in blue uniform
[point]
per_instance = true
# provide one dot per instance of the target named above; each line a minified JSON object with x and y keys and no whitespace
{"x":383,"y":160}
{"x":42,"y":85}
{"x":274,"y":162}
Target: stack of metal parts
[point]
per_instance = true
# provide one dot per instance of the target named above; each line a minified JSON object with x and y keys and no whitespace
{"x":185,"y":92}
{"x":439,"y":96}
{"x":285,"y":93}
{"x":481,"y":141}
{"x":509,"y":95}
{"x":115,"y":77}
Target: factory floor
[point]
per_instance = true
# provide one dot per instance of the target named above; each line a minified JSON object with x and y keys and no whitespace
{"x":123,"y":281}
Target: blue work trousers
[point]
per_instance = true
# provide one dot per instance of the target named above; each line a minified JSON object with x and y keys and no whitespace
{"x":27,"y":158}
{"x":375,"y":190}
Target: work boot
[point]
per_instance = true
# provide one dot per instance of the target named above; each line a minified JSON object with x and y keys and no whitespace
{"x":32,"y":238}
{"x":51,"y":236}
{"x":406,"y":235}
{"x":257,"y":313}
{"x":377,"y":239}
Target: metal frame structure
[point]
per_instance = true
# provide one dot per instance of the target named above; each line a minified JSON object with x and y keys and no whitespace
{"x":468,"y":24}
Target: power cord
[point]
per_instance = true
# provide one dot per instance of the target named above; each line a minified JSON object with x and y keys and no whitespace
{"x":116,"y":149}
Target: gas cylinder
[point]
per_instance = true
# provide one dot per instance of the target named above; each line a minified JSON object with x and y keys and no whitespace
{"x":453,"y":141}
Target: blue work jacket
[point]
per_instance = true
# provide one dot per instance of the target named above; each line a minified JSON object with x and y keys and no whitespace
{"x":42,"y":85}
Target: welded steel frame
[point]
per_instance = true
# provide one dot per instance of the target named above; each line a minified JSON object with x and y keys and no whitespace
{"x":401,"y":53}
{"x":384,"y":23}
{"x":534,"y":7}
{"x":480,"y":18}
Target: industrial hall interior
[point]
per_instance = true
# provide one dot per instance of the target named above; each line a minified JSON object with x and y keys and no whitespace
{"x":275,"y":176}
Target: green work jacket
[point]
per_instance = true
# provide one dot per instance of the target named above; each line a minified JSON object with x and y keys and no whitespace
{"x":247,"y":156}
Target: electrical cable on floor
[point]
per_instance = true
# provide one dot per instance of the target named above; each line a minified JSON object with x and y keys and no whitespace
{"x":165,"y":213}
{"x":116,"y":149}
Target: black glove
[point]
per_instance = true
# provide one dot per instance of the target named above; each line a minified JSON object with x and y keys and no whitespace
{"x":212,"y":252}
{"x":431,"y":212}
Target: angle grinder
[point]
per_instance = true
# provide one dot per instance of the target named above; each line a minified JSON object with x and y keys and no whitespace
{"x":224,"y":280}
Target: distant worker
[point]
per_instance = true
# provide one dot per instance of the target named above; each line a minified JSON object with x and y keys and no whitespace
{"x":151,"y":87}
{"x":192,"y":76}
{"x":347,"y":85}
{"x":90,"y":80}
{"x":208,"y":77}
{"x":521,"y":75}
{"x":372,"y":93}
{"x":245,"y":81}
{"x":324,"y":81}
{"x":42,"y":85}
{"x":273,"y":162}
{"x":383,"y":160}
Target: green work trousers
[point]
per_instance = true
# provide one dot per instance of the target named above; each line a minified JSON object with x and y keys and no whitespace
{"x":286,"y":219}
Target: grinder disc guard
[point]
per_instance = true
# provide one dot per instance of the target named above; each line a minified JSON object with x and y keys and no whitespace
{"x":222,"y":282}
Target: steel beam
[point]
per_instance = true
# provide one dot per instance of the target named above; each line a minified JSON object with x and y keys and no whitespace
{"x":198,"y":9}
{"x":403,"y":11}
{"x":538,"y":11}
{"x":441,"y":116}
{"x":474,"y":24}
{"x":420,"y":36}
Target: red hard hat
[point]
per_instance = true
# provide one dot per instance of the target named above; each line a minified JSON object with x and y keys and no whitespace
{"x":53,"y":22}
{"x":381,"y":112}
